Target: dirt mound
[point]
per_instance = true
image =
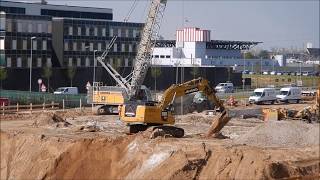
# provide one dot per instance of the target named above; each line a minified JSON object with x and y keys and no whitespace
{"x":282,"y":134}
{"x":135,"y":157}
{"x":50,"y":119}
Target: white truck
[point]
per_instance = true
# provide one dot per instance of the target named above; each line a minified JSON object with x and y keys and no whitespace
{"x":288,"y":94}
{"x":263,"y":95}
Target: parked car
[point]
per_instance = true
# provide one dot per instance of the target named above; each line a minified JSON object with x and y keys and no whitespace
{"x":298,"y":73}
{"x":273,"y":73}
{"x":66,"y":90}
{"x":263,"y":95}
{"x":265,"y":73}
{"x":279,"y":73}
{"x":225,"y":88}
{"x":245,"y":72}
{"x":252,"y":72}
{"x":306,"y":73}
{"x":288,"y":94}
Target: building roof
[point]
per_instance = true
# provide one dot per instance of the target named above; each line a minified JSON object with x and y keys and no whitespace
{"x":214,"y":44}
{"x":315,"y":52}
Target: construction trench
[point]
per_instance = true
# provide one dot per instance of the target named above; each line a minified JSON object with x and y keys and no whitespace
{"x":79,"y":145}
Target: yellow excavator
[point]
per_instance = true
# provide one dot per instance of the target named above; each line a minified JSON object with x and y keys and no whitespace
{"x":140,"y":115}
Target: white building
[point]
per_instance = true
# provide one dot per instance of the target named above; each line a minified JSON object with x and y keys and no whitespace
{"x":194,"y":47}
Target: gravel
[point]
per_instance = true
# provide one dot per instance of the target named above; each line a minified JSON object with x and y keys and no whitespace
{"x":282,"y":134}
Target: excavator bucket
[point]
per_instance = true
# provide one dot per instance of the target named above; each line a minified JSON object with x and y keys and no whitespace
{"x":218,"y":124}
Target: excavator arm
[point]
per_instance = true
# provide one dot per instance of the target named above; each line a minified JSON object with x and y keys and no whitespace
{"x":200,"y":84}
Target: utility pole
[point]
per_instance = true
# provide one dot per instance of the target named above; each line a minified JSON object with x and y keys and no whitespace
{"x":94,"y":66}
{"x":30,"y":75}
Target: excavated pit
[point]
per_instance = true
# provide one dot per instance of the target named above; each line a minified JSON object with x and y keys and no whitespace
{"x":47,"y":151}
{"x":39,"y":157}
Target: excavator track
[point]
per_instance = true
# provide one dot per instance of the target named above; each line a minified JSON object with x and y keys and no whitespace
{"x":157,"y":130}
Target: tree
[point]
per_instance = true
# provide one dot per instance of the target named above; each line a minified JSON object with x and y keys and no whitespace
{"x":248,"y":55}
{"x":264,"y":54}
{"x":195,"y":72}
{"x":71,"y":72}
{"x":155,"y":72}
{"x":3,"y":75}
{"x":47,"y":73}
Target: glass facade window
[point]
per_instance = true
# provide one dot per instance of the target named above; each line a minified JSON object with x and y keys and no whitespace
{"x":87,"y":62}
{"x":127,"y":32}
{"x":130,"y":47}
{"x":19,"y":24}
{"x":115,"y":47}
{"x":95,"y":31}
{"x":34,"y":44}
{"x":79,"y":31}
{"x":24,"y":44}
{"x":111,"y":61}
{"x":29,"y":60}
{"x":30,"y":27}
{"x":99,"y":46}
{"x":39,"y":62}
{"x":14,"y":44}
{"x":70,"y":29}
{"x":119,"y":32}
{"x":134,"y":33}
{"x":111,"y":32}
{"x":126,"y":62}
{"x":39,"y":28}
{"x":83,"y":46}
{"x":44,"y":45}
{"x":123,"y":47}
{"x":87,"y":31}
{"x":78,"y":62}
{"x":19,"y":62}
{"x":9,"y":63}
{"x":9,"y":26}
{"x":104,"y":32}
{"x":66,"y":46}
{"x":2,"y":44}
{"x":74,"y":46}
{"x":2,"y":23}
{"x":70,"y":62}
{"x":49,"y":63}
{"x":49,"y":27}
{"x":91,"y":46}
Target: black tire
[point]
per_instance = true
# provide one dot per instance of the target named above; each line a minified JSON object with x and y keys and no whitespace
{"x":298,"y":101}
{"x":272,"y":102}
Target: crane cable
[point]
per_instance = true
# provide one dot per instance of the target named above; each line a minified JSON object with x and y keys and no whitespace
{"x":133,"y":6}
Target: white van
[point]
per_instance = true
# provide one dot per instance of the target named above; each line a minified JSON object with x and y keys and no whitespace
{"x":262,"y":95}
{"x":224,"y":87}
{"x":66,"y":90}
{"x":289,"y":94}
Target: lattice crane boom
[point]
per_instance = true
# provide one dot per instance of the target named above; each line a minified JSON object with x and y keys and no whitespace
{"x":148,"y":37}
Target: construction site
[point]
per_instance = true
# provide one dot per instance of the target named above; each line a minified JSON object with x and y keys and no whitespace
{"x":189,"y":130}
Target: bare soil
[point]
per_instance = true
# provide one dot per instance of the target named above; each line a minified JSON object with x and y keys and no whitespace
{"x":98,"y":147}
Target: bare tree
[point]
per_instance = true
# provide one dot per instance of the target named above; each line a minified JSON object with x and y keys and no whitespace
{"x":3,"y":75}
{"x":71,"y":72}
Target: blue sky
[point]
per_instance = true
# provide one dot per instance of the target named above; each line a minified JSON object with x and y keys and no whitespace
{"x":277,"y":23}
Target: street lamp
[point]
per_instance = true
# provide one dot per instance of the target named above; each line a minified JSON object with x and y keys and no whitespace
{"x":30,"y":80}
{"x":94,"y":65}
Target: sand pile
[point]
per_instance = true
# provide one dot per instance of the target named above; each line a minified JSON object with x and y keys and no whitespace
{"x":282,"y":134}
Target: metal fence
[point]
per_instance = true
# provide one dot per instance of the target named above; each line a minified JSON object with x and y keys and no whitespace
{"x":25,"y":97}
